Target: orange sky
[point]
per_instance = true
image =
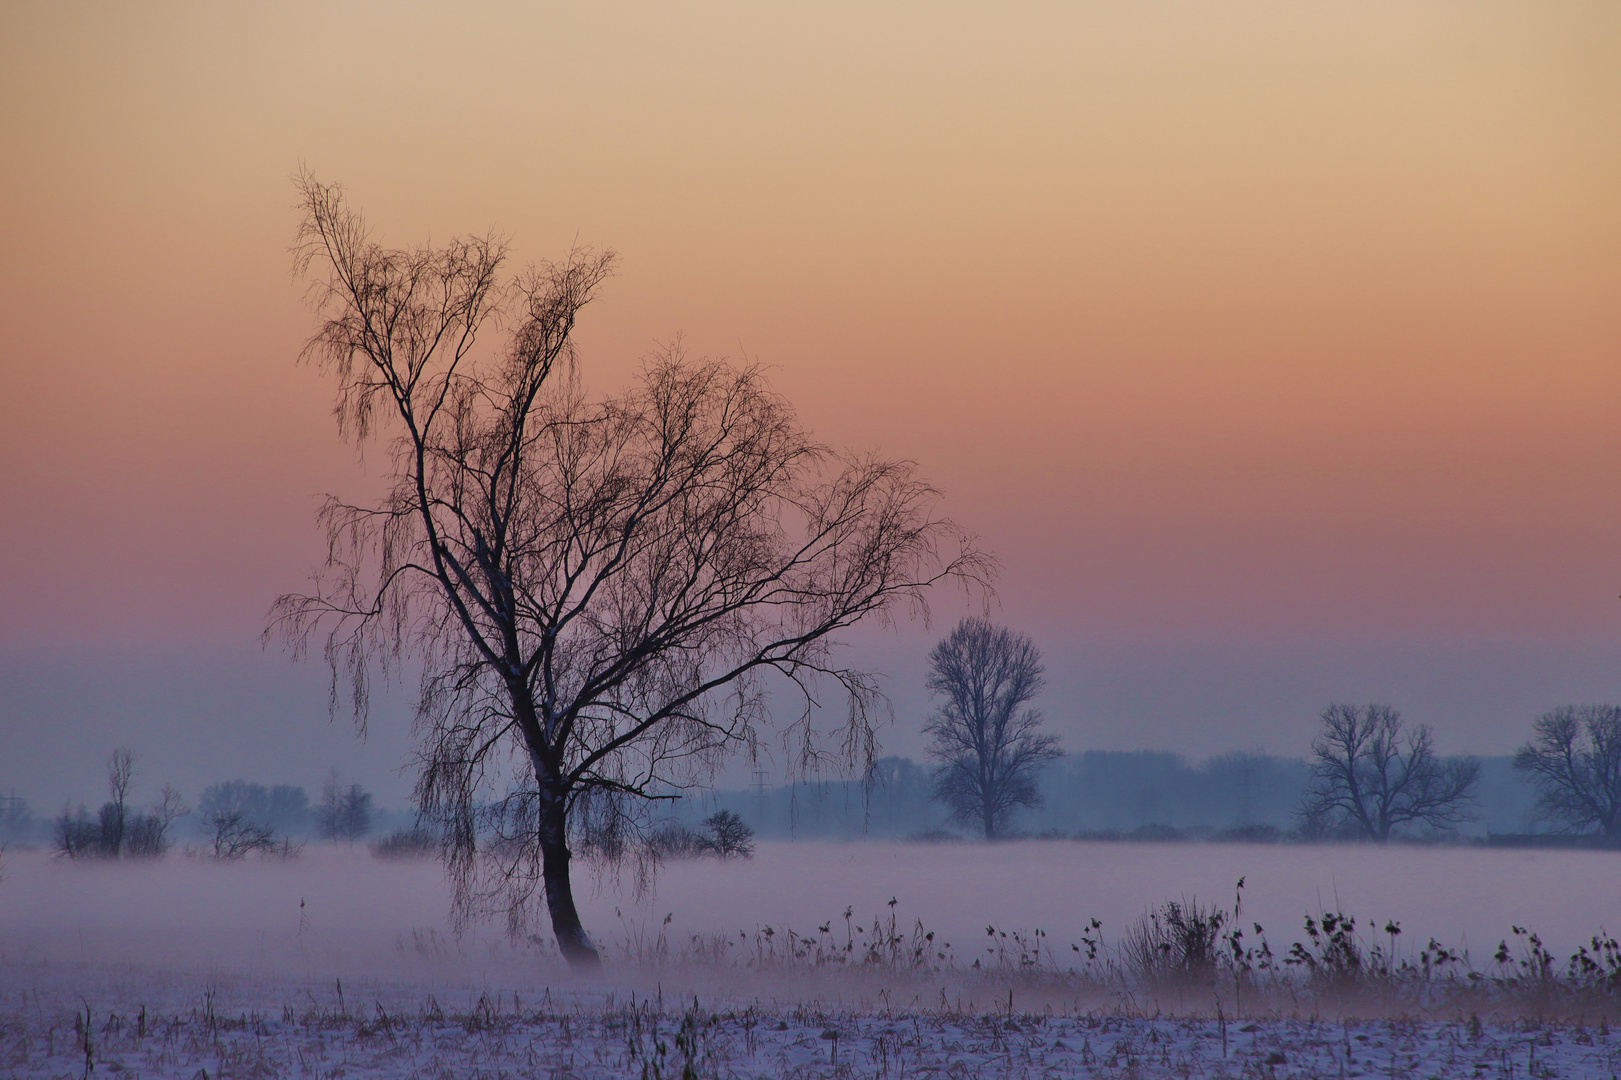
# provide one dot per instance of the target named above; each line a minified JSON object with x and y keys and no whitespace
{"x":1251,"y":321}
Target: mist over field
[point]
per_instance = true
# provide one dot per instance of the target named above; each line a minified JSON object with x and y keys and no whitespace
{"x":338,"y":910}
{"x":337,"y":961}
{"x":850,"y":540}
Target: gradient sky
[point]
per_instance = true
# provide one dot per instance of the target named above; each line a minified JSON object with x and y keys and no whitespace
{"x":1272,"y":346}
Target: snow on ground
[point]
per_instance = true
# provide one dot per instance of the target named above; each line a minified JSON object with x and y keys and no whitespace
{"x":140,"y":1023}
{"x":339,"y":965}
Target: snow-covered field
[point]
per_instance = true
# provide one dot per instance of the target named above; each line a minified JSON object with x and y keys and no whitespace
{"x":143,"y":1024}
{"x":338,"y":964}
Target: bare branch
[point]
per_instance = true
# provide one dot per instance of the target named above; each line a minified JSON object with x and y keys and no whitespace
{"x":1370,"y":779}
{"x":596,"y":590}
{"x":989,"y":746}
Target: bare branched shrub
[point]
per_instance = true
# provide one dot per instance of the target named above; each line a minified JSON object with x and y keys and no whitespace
{"x":675,"y":840}
{"x":75,"y":834}
{"x":412,"y":843}
{"x":234,"y":836}
{"x":116,"y":831}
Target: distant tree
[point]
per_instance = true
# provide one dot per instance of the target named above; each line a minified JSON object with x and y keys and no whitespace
{"x":120,"y":773}
{"x":677,"y":840}
{"x":344,"y":812}
{"x":1370,"y":778}
{"x":989,"y":745}
{"x":17,"y":821}
{"x":728,"y":836}
{"x":283,"y":807}
{"x":147,"y":834}
{"x":116,"y":830}
{"x":1574,"y":758}
{"x":598,"y":590}
{"x":234,"y":835}
{"x":75,"y":834}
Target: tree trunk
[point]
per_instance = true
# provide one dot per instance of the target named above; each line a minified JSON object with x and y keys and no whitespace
{"x":554,"y":854}
{"x":990,"y":820}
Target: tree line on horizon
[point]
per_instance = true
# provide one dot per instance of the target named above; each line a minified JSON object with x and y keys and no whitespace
{"x":233,"y":818}
{"x":1143,"y":795}
{"x":1371,"y":775}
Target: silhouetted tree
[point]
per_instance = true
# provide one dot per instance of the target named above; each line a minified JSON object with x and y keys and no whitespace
{"x":344,"y":812}
{"x":148,"y":834}
{"x":116,"y":831}
{"x":729,"y":837}
{"x":1369,"y":778}
{"x":234,"y":835}
{"x":120,"y":773}
{"x":988,"y":743}
{"x":1574,"y":758}
{"x":595,"y":589}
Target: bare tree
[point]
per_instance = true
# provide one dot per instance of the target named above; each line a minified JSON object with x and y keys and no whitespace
{"x":596,"y":590}
{"x":117,"y":830}
{"x":987,"y":742}
{"x":344,"y":812}
{"x":120,"y":773}
{"x":1369,"y":778}
{"x":729,"y":836}
{"x":1574,"y":758}
{"x":148,"y":834}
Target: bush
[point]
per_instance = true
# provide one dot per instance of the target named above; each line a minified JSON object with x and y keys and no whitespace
{"x":111,"y":834}
{"x":677,"y":841}
{"x":76,"y":836}
{"x":1178,"y":941}
{"x":724,"y":835}
{"x":235,"y":836}
{"x":414,"y":843}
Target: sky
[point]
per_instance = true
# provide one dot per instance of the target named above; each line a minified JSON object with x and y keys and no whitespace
{"x":1271,"y":347}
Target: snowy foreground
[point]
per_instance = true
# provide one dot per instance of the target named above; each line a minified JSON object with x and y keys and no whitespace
{"x":134,"y":1023}
{"x":336,"y":964}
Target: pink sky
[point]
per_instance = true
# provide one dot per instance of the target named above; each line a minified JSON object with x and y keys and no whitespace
{"x":1236,"y":325}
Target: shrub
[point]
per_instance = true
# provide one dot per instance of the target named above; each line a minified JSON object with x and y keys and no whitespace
{"x":111,"y":834}
{"x":235,"y":836}
{"x":1179,"y":940}
{"x":674,"y":840}
{"x":282,"y":807}
{"x":413,"y":843}
{"x":724,"y":835}
{"x":76,"y":836}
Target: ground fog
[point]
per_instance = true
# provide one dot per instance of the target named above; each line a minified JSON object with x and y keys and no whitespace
{"x":337,"y":905}
{"x":339,"y":963}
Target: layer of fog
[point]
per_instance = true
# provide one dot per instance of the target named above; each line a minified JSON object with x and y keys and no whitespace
{"x":340,"y":910}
